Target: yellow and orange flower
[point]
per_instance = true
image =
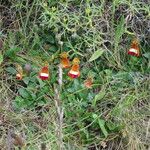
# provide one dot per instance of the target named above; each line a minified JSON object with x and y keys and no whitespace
{"x":88,"y":82}
{"x":65,"y":63}
{"x":44,"y":73}
{"x":19,"y":74}
{"x":74,"y":72}
{"x":134,"y":49}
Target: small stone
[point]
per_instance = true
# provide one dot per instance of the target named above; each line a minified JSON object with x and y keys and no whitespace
{"x":27,"y":67}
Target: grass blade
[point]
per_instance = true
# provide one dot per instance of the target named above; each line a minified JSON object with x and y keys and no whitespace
{"x":96,"y":55}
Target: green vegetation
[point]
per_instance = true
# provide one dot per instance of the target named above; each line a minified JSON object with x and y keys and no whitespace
{"x":61,"y":113}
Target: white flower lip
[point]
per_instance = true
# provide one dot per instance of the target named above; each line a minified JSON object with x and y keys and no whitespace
{"x":133,"y":50}
{"x":18,"y":75}
{"x":73,"y":72}
{"x":44,"y":74}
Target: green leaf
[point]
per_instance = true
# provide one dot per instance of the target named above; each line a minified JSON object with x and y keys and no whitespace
{"x":121,"y":75}
{"x":19,"y":102}
{"x":42,"y":84}
{"x":114,"y":126}
{"x":76,"y":84}
{"x":95,"y":116}
{"x":1,"y":58}
{"x":33,"y":96}
{"x":99,"y":96}
{"x":96,"y":55}
{"x":111,"y":126}
{"x":11,"y":70}
{"x":101,"y":123}
{"x":45,"y":89}
{"x":108,"y":72}
{"x":24,"y":93}
{"x":50,"y":39}
{"x":26,"y":80}
{"x":12,"y":51}
{"x":53,"y":48}
{"x":19,"y":60}
{"x":147,"y":55}
{"x":41,"y":103}
{"x":119,"y":31}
